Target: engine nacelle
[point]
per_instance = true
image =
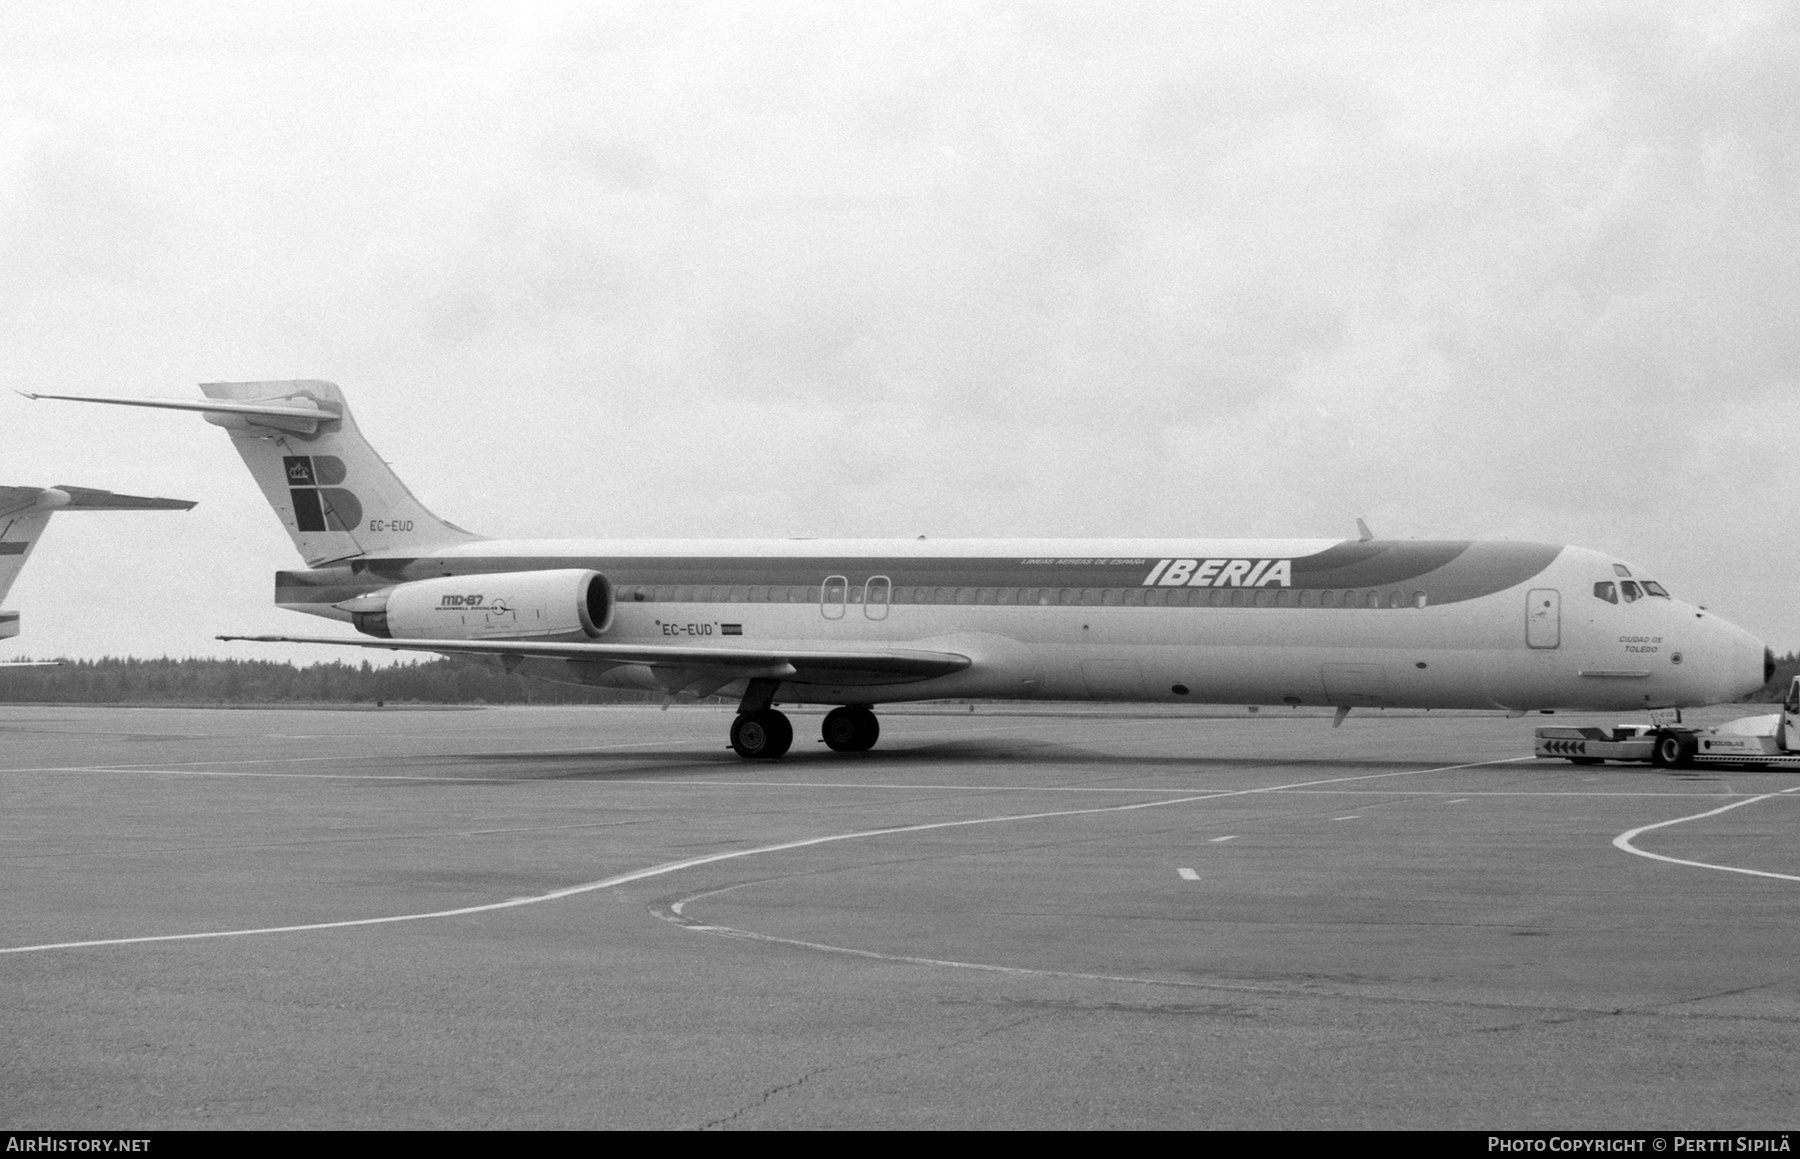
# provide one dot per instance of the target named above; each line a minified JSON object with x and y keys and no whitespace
{"x":514,"y":605}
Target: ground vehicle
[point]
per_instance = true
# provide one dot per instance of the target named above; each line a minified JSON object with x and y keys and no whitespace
{"x":1771,"y":741}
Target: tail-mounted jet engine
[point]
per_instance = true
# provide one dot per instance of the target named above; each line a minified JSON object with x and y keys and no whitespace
{"x":517,"y":605}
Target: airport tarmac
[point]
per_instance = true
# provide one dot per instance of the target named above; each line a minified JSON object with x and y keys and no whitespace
{"x":601,"y":917}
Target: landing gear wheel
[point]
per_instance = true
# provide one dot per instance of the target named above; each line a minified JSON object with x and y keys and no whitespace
{"x":850,"y":729}
{"x":762,"y":735}
{"x":1674,"y":750}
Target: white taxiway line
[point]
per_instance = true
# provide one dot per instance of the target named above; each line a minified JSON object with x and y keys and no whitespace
{"x":1187,"y":875}
{"x":708,"y":859}
{"x":1216,"y":840}
{"x":1623,"y":840}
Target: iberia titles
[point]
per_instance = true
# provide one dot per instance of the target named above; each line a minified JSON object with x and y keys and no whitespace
{"x":1221,"y":573}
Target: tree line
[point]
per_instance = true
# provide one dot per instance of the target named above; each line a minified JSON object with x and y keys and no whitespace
{"x":129,"y":680}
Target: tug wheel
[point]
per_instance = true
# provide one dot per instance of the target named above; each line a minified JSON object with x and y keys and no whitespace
{"x":1674,"y":750}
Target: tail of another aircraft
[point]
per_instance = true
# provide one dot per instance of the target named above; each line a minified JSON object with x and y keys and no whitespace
{"x":337,"y":498}
{"x":25,"y":511}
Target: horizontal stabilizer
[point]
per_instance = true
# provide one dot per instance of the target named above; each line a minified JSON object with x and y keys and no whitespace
{"x":92,"y":499}
{"x":63,"y":497}
{"x":781,"y":664}
{"x":299,"y":415}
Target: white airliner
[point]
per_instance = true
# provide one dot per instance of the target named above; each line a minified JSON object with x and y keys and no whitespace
{"x":24,"y":512}
{"x":855,"y":623}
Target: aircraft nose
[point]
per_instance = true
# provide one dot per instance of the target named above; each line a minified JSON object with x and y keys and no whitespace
{"x":1752,"y":663}
{"x":1741,"y":663}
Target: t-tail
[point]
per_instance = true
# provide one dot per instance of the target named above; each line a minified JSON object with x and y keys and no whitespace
{"x":337,"y":498}
{"x":24,"y":512}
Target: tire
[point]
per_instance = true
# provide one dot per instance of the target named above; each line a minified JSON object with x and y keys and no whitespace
{"x":851,"y":729}
{"x":1674,"y":750}
{"x":761,"y":735}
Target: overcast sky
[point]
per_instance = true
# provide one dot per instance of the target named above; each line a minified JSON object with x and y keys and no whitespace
{"x":1464,"y":270}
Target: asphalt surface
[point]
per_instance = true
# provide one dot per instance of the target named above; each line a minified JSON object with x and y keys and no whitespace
{"x":1099,"y":918}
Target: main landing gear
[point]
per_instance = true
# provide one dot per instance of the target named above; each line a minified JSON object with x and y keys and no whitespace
{"x":761,"y":733}
{"x":851,"y":729}
{"x":764,"y":733}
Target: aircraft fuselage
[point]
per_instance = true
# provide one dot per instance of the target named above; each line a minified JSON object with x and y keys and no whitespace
{"x":1359,"y":623}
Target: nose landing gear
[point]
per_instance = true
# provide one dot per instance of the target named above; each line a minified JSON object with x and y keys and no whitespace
{"x":851,"y":729}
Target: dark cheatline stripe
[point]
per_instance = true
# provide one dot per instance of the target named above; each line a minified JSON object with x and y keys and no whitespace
{"x":1446,"y":572}
{"x":14,"y":548}
{"x":1373,"y":563}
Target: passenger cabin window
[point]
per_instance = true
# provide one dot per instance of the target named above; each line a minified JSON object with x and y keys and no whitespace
{"x":1605,"y":591}
{"x":1630,"y":590}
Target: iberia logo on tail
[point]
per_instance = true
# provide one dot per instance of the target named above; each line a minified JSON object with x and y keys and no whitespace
{"x":318,"y":504}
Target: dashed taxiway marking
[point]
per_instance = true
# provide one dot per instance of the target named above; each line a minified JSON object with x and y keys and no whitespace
{"x":1349,"y":817}
{"x":1623,"y":840}
{"x":1458,"y":801}
{"x":732,"y":855}
{"x":1187,"y":874}
{"x":1216,"y":840}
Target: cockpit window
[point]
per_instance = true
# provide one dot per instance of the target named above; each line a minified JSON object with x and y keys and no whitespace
{"x":1621,"y":569}
{"x":1655,"y":589}
{"x":1631,"y":591}
{"x":1607,"y":592}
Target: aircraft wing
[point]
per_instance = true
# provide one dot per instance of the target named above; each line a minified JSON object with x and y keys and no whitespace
{"x":813,"y":667}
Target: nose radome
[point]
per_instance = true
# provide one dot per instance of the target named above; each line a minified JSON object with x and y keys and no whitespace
{"x":1744,"y":663}
{"x":1753,"y":664}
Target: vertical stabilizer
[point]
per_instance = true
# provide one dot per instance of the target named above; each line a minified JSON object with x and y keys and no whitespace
{"x":337,"y":498}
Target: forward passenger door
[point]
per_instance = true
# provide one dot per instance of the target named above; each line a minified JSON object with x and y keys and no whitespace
{"x":1543,"y":618}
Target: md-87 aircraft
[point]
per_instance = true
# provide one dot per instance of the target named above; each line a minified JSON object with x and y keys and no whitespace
{"x":856,"y":623}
